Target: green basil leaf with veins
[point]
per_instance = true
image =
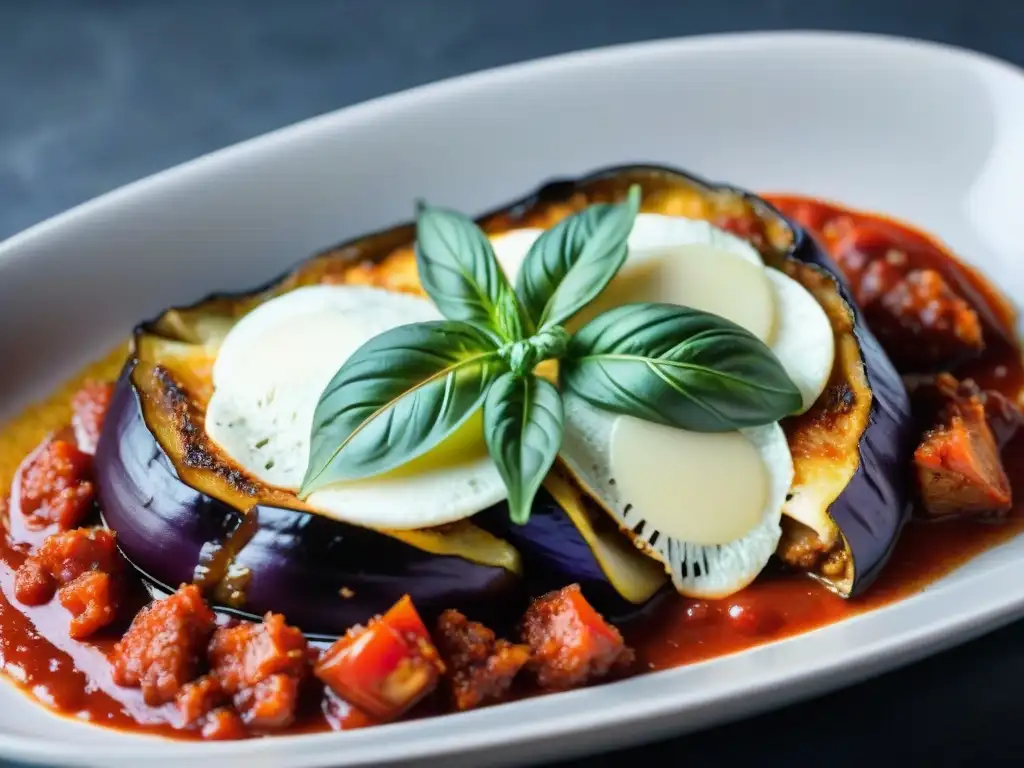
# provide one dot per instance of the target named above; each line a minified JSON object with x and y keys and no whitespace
{"x":680,"y":367}
{"x":458,"y":270}
{"x":510,"y":325}
{"x":523,"y":427}
{"x":398,"y":396}
{"x":571,"y":263}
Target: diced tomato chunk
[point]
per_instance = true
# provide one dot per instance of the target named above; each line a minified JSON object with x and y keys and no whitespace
{"x":69,"y":554}
{"x":90,"y":405}
{"x":33,"y":584}
{"x":62,"y":558}
{"x":92,"y":600}
{"x":198,"y":699}
{"x":959,"y":469}
{"x":923,"y":323}
{"x":269,"y":704}
{"x":249,"y":653}
{"x":162,"y":649}
{"x":481,"y":668}
{"x":571,"y":643}
{"x":261,"y":666}
{"x":54,"y":486}
{"x":918,"y":313}
{"x":385,"y":668}
{"x":223,"y":724}
{"x":202,"y":705}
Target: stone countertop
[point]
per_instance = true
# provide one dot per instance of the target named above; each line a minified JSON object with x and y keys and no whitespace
{"x":99,"y":93}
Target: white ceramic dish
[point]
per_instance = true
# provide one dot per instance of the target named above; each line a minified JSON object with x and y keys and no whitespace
{"x":921,"y":131}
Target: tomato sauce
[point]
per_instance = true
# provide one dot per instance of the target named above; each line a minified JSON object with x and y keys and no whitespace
{"x":73,"y":677}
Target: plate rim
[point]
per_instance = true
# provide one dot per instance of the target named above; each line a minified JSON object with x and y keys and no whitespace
{"x":492,"y":76}
{"x":422,"y":740}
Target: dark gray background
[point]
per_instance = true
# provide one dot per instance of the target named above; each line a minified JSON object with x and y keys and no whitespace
{"x":97,"y":94}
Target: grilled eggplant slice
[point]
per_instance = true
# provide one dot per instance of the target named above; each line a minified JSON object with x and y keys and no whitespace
{"x":183,"y":511}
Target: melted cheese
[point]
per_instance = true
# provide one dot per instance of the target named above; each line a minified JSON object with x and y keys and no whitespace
{"x":698,"y":276}
{"x":697,"y":487}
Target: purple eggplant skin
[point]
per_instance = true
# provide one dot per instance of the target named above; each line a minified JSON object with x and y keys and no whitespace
{"x":555,"y":554}
{"x":875,"y":504}
{"x":297,"y":563}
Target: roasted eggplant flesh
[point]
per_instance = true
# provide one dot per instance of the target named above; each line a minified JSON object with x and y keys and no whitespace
{"x":184,"y":511}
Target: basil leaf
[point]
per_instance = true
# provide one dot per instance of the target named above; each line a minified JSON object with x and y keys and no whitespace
{"x":571,"y":263}
{"x":509,"y":323}
{"x":458,"y":269}
{"x":680,"y":367}
{"x":523,"y":427}
{"x":398,"y":396}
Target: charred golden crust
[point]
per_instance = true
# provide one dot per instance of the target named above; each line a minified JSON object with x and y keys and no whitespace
{"x":840,"y":398}
{"x":189,"y":422}
{"x":824,"y":441}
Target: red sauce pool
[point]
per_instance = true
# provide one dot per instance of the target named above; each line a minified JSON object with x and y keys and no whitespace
{"x":73,"y":678}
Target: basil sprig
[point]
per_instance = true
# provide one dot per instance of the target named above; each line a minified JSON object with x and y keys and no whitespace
{"x":406,"y":390}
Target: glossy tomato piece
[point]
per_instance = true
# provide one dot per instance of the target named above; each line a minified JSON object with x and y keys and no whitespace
{"x":385,"y":668}
{"x":92,"y":601}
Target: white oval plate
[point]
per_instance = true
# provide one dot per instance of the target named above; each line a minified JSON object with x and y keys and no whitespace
{"x":917,"y":130}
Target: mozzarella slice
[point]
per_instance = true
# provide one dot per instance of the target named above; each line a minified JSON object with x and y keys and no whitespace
{"x":653,"y":231}
{"x":707,"y":506}
{"x":650,"y":231}
{"x":269,"y":374}
{"x":803,"y":341}
{"x":693,"y":275}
